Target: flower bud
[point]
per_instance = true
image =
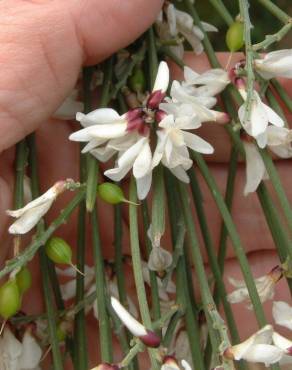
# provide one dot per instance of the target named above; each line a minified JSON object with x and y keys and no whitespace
{"x":234,"y":36}
{"x":10,"y":299}
{"x":23,"y":279}
{"x":148,"y":337}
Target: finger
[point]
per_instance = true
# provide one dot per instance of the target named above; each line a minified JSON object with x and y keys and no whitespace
{"x":43,"y":45}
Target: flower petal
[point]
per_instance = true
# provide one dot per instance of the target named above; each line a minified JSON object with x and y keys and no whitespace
{"x":31,"y":352}
{"x":162,"y":78}
{"x":197,"y":144}
{"x":282,"y":314}
{"x":142,"y":163}
{"x":98,"y":116}
{"x":144,"y":185}
{"x":255,"y":168}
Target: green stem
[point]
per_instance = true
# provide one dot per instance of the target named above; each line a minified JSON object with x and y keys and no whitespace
{"x":81,"y":360}
{"x":119,"y":268}
{"x":105,"y":339}
{"x":158,"y":205}
{"x":275,"y":10}
{"x":209,"y":245}
{"x":137,"y":267}
{"x":274,"y":177}
{"x":183,"y":298}
{"x":238,"y":248}
{"x":20,"y":164}
{"x":152,"y":57}
{"x":92,"y":164}
{"x":273,"y":102}
{"x":153,"y":278}
{"x":48,"y":297}
{"x":282,"y":93}
{"x":276,"y":37}
{"x":223,"y":11}
{"x":232,"y":170}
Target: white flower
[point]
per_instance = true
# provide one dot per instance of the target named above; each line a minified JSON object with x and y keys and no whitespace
{"x":259,"y":118}
{"x":197,"y":105}
{"x":275,"y":64}
{"x":282,"y":314}
{"x":286,"y":345}
{"x":139,"y":158}
{"x":172,"y":145}
{"x":179,"y":23}
{"x":279,"y":141}
{"x":265,"y":286}
{"x":257,"y":348}
{"x":29,"y":215}
{"x":69,"y":107}
{"x":149,"y":338}
{"x":16,"y":355}
{"x":254,"y":167}
{"x":211,"y":82}
{"x":100,"y":125}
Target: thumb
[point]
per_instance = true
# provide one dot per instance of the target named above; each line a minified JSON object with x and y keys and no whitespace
{"x":43,"y":44}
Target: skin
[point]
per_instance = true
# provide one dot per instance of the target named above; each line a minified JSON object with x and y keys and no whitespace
{"x":38,"y":70}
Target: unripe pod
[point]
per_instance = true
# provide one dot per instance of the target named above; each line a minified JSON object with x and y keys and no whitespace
{"x":10,"y":299}
{"x":234,"y":36}
{"x":23,"y":279}
{"x":59,"y":251}
{"x":137,"y":80}
{"x":111,"y":193}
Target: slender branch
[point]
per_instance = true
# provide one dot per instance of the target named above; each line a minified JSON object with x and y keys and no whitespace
{"x":51,"y":312}
{"x":105,"y":340}
{"x":275,"y":10}
{"x":223,"y":11}
{"x":270,"y":39}
{"x":137,"y":267}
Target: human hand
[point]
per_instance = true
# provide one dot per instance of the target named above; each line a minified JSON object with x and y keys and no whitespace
{"x":39,"y":71}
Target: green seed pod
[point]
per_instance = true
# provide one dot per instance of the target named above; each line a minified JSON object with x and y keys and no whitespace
{"x":137,"y":80}
{"x":23,"y":279}
{"x":112,"y":193}
{"x":10,"y":299}
{"x":59,"y":251}
{"x":234,"y":36}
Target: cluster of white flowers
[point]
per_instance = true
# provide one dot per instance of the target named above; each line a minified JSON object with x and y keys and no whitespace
{"x":175,"y":26}
{"x":19,"y":355}
{"x":261,"y":122}
{"x":107,"y":133}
